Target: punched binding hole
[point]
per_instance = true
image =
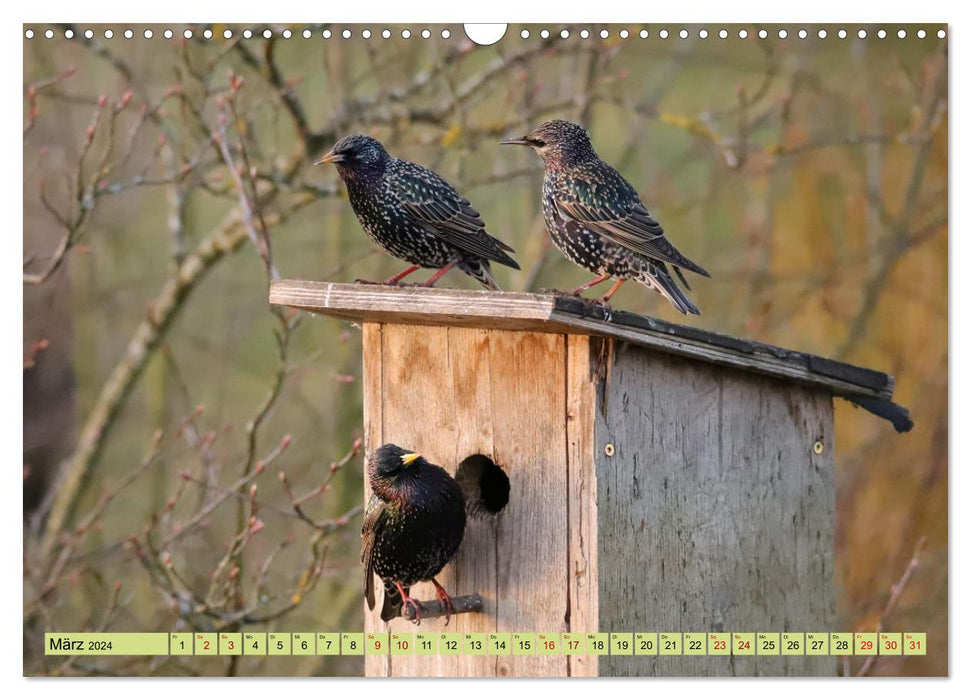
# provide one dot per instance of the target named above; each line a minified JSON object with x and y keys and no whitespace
{"x":485,"y":34}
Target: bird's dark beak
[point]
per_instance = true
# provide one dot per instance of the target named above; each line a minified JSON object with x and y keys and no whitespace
{"x":409,"y":458}
{"x":518,"y":141}
{"x":330,"y":157}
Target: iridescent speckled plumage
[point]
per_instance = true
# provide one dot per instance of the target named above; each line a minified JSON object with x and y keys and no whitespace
{"x":414,"y":214}
{"x":597,"y":220}
{"x":413,"y":525}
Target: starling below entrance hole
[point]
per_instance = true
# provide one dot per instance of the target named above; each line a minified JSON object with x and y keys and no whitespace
{"x":413,"y":525}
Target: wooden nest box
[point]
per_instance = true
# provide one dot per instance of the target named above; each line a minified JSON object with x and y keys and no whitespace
{"x":661,"y":478}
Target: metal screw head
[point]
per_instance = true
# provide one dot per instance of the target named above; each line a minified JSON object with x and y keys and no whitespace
{"x":818,"y":447}
{"x":609,"y":449}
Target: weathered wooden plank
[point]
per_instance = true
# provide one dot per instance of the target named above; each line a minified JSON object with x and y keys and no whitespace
{"x":372,"y":377}
{"x":857,"y":376}
{"x":528,"y":386}
{"x":415,"y":306}
{"x":552,"y":314}
{"x":582,"y":355}
{"x":465,"y":380}
{"x":714,"y":511}
{"x":417,"y":412}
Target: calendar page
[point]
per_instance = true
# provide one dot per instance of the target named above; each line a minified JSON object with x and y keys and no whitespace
{"x":520,"y":350}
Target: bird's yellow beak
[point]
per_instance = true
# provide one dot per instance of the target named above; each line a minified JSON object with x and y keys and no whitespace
{"x":409,"y":458}
{"x":330,"y":157}
{"x":518,"y":141}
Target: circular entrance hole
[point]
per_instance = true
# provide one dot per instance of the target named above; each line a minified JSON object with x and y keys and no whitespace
{"x":484,"y":484}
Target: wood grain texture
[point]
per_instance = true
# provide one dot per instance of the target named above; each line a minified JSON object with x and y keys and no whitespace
{"x":373,"y":381}
{"x":714,"y":512}
{"x":582,"y":357}
{"x":529,"y":395}
{"x":452,"y":392}
{"x":553,"y":314}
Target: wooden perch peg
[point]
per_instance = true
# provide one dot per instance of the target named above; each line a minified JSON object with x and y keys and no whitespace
{"x":435,"y":608}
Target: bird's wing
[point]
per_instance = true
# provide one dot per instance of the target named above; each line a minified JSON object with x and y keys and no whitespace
{"x":436,"y":205}
{"x":373,"y":521}
{"x":610,"y":206}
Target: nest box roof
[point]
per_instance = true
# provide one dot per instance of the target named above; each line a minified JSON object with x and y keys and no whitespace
{"x":547,"y":313}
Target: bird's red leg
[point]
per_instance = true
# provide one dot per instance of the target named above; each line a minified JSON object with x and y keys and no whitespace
{"x":391,"y":280}
{"x":408,"y":600}
{"x":446,"y":599}
{"x":591,"y":283}
{"x":401,"y":275}
{"x":430,"y":282}
{"x":613,"y":290}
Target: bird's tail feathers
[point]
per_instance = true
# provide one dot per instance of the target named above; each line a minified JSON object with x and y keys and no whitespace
{"x":391,"y":607}
{"x":369,"y":588}
{"x":657,"y":277}
{"x":479,"y":269}
{"x":503,"y":258}
{"x":688,"y":265}
{"x":677,"y":271}
{"x":500,"y":250}
{"x":505,"y":246}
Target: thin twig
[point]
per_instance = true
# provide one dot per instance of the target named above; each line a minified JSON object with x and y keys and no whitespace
{"x":225,"y":239}
{"x":895,"y":591}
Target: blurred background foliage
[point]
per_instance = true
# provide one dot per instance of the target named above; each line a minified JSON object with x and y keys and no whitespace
{"x":808,"y":175}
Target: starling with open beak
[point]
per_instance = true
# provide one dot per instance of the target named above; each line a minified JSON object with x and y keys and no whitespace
{"x":597,"y":220}
{"x":414,"y":214}
{"x":413,"y":525}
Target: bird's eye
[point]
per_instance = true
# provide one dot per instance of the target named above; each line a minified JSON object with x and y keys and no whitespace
{"x":539,"y":143}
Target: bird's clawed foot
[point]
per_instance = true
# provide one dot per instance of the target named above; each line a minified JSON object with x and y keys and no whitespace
{"x":604,"y":305}
{"x":361,"y":281}
{"x":446,"y":600}
{"x":385,"y":283}
{"x":415,"y":608}
{"x":604,"y":301}
{"x":573,"y":293}
{"x":408,"y":600}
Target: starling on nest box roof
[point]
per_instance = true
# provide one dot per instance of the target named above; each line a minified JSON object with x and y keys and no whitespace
{"x":414,"y":214}
{"x":597,"y":220}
